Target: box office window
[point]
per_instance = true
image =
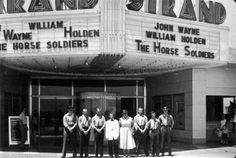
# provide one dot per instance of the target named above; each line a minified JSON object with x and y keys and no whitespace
{"x":176,"y":106}
{"x":218,"y":106}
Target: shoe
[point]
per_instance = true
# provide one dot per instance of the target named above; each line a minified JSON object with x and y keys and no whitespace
{"x":163,"y":154}
{"x":170,"y":154}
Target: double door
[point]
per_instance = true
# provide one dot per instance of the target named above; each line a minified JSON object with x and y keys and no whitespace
{"x":50,"y":120}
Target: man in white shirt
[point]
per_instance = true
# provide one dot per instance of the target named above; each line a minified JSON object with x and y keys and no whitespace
{"x":167,"y":123}
{"x":112,"y":131}
{"x":70,"y":123}
{"x":98,"y":124}
{"x":154,"y":132}
{"x":23,"y":127}
{"x":85,"y":127}
{"x":140,"y":125}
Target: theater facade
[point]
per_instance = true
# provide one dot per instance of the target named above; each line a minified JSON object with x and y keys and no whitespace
{"x":116,"y":55}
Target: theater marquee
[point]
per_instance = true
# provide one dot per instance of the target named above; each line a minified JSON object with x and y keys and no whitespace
{"x":172,"y":38}
{"x":49,"y":35}
{"x":179,"y":40}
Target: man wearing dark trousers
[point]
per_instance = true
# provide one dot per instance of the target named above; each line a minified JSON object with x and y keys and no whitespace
{"x":70,"y":124}
{"x":167,"y":123}
{"x":154,"y":132}
{"x":85,"y":126}
{"x":140,"y":125}
{"x":98,"y":124}
{"x":112,"y":134}
{"x":23,"y":128}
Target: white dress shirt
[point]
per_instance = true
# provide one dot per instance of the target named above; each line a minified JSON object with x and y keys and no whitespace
{"x":98,"y":121}
{"x":112,"y":130}
{"x":140,"y":120}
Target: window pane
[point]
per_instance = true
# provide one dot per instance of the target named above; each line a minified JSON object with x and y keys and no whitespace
{"x":167,"y":101}
{"x":88,"y":86}
{"x":179,"y":112}
{"x":121,"y":87}
{"x":156,"y":105}
{"x":141,"y":88}
{"x":140,"y":102}
{"x":56,"y":87}
{"x":35,"y":87}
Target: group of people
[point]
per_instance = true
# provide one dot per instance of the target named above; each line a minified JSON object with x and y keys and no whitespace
{"x":127,"y":133}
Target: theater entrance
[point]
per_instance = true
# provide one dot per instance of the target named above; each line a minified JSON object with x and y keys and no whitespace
{"x":50,"y":98}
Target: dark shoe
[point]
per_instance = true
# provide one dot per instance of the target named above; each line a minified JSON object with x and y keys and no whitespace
{"x":170,"y":154}
{"x":163,"y":154}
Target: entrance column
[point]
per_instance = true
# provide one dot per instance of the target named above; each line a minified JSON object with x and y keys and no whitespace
{"x":198,"y":106}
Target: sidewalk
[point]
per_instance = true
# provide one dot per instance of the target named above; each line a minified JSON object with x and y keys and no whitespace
{"x":180,"y":150}
{"x":222,"y":152}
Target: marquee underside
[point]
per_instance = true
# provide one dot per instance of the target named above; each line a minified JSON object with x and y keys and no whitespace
{"x":129,"y":64}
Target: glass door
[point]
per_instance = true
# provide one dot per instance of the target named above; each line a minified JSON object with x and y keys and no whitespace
{"x":51,"y":116}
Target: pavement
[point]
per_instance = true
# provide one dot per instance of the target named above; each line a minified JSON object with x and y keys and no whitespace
{"x":179,"y":151}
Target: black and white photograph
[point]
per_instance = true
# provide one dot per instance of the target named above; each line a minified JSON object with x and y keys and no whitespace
{"x":117,"y":78}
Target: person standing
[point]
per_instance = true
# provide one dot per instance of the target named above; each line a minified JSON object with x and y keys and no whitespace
{"x":112,"y":132}
{"x":167,"y":123}
{"x":70,"y":123}
{"x":140,"y":125}
{"x":85,"y":127}
{"x":34,"y":127}
{"x":126,"y":133}
{"x":98,"y":124}
{"x":234,"y":122}
{"x":23,"y":128}
{"x":154,"y":132}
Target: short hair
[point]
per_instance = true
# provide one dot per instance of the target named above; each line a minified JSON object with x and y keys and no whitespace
{"x":70,"y":107}
{"x":112,"y":112}
{"x":153,"y":112}
{"x":165,"y":108}
{"x":124,"y":112}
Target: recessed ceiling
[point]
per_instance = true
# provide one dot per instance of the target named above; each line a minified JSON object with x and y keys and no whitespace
{"x":105,"y":64}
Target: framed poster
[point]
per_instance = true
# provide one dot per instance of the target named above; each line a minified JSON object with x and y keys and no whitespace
{"x":14,"y":130}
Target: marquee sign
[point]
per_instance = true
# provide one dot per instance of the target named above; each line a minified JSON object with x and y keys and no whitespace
{"x":16,"y":6}
{"x":172,"y":39}
{"x":49,"y":36}
{"x":215,"y":13}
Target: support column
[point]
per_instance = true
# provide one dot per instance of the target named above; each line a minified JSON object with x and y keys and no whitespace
{"x":199,"y":106}
{"x":112,"y":26}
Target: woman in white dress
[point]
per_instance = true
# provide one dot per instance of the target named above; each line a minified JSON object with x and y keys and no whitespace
{"x":126,"y":133}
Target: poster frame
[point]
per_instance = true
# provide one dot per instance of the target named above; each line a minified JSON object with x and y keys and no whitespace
{"x":15,"y":142}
